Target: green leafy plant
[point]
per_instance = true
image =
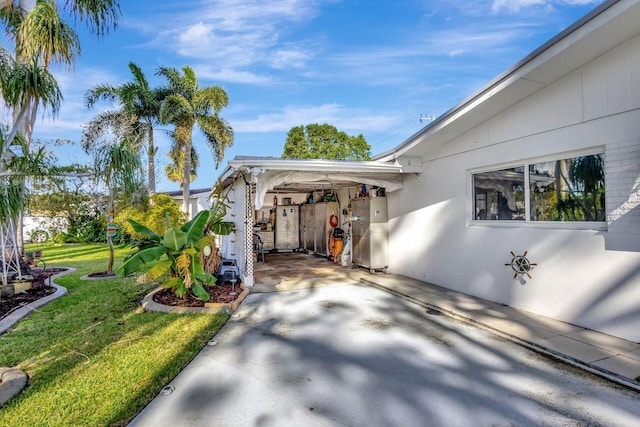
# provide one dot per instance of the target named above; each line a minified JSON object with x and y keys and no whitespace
{"x":174,"y":259}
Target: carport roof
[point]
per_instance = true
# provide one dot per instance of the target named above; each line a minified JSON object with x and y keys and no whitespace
{"x":304,"y":175}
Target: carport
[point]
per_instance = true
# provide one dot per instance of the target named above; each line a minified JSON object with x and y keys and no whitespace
{"x":254,"y":186}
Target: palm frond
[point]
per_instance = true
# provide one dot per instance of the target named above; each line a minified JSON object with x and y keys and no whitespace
{"x":218,"y":133}
{"x":43,"y":34}
{"x":104,"y":92}
{"x":210,"y":98}
{"x":30,"y":82}
{"x":100,"y":15}
{"x":176,"y":109}
{"x":112,"y":125}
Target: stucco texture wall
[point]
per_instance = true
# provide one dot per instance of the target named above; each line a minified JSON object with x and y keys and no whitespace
{"x":585,"y":277}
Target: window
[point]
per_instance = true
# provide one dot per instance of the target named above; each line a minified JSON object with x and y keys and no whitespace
{"x":499,"y":195}
{"x":565,"y":190}
{"x":568,"y":189}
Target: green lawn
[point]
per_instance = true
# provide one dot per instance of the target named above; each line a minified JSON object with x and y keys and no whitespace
{"x":94,"y":357}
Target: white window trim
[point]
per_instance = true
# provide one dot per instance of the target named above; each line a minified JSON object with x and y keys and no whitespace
{"x":527,"y":223}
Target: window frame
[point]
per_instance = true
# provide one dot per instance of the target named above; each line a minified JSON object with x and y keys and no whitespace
{"x":528,"y":223}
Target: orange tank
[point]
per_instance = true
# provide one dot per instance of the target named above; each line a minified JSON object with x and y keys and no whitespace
{"x":338,"y":246}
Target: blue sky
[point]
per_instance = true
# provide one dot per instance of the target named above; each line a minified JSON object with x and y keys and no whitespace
{"x":367,"y":67}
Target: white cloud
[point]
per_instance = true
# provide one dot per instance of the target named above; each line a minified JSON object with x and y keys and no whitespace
{"x":230,"y":75}
{"x":344,"y":119}
{"x":289,"y":58}
{"x":231,"y":36}
{"x":513,"y":6}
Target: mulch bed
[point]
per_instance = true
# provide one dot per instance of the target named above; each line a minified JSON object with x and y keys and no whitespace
{"x":39,"y":290}
{"x":101,"y":275}
{"x":220,"y":293}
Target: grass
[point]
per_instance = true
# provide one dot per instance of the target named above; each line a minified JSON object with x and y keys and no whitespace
{"x":94,"y":357}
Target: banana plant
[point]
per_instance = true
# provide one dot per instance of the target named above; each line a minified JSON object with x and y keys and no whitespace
{"x":174,"y":259}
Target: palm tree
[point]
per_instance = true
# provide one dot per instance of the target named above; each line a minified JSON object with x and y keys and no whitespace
{"x":113,"y":139}
{"x":43,"y":37}
{"x":23,"y":87}
{"x":15,"y":164}
{"x":116,"y":165}
{"x":175,"y":169}
{"x":139,"y":101}
{"x":187,"y":105}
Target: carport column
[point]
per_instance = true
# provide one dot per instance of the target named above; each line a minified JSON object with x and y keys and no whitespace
{"x":248,"y":215}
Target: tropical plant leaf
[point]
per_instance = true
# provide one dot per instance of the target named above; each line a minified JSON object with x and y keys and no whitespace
{"x":199,"y":291}
{"x":195,"y":227}
{"x":222,"y":228}
{"x":206,"y":278}
{"x":174,"y":239}
{"x":158,"y":270}
{"x":144,"y":230}
{"x":190,"y":251}
{"x":205,"y":241}
{"x":172,"y":283}
{"x":180,"y":289}
{"x":135,"y":262}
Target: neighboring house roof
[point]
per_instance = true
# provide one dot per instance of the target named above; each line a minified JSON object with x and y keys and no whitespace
{"x":304,"y":175}
{"x":610,"y":24}
{"x":193,"y":192}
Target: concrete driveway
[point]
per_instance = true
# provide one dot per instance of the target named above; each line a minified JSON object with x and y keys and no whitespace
{"x":353,"y":355}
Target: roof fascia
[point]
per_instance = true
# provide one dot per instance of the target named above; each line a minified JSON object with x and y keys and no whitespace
{"x":249,"y":165}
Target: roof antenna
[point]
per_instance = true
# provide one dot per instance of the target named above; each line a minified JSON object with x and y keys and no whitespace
{"x":424,"y":118}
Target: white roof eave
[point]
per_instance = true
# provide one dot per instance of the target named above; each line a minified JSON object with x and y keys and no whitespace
{"x":248,"y":165}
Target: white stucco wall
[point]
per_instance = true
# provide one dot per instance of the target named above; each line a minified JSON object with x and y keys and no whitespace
{"x":586,"y":277}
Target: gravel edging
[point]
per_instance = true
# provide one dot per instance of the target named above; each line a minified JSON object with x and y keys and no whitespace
{"x":17,"y":315}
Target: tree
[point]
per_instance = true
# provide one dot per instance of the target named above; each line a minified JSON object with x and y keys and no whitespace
{"x":160,"y":213}
{"x":175,"y":169}
{"x":41,"y":36}
{"x":69,"y":198}
{"x":15,"y":164}
{"x":187,"y":105}
{"x":23,"y":87}
{"x":140,"y":102}
{"x":114,"y":142}
{"x":316,"y":141}
{"x":117,"y":164}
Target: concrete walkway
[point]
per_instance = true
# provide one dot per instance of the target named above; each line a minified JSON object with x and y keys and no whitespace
{"x":351,"y":354}
{"x":605,"y":355}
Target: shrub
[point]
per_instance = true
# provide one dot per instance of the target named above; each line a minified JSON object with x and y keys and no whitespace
{"x":160,"y":212}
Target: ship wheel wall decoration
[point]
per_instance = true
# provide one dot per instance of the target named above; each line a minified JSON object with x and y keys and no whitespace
{"x":521,"y":265}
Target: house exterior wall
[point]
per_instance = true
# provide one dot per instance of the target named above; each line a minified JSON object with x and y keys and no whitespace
{"x":588,"y":277}
{"x":197,"y":202}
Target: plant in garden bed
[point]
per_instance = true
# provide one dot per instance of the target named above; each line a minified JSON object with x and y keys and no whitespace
{"x":174,"y":258}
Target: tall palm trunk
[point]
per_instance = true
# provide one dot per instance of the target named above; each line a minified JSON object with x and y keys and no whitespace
{"x":186,"y":179}
{"x":109,"y":215}
{"x":151,"y":156}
